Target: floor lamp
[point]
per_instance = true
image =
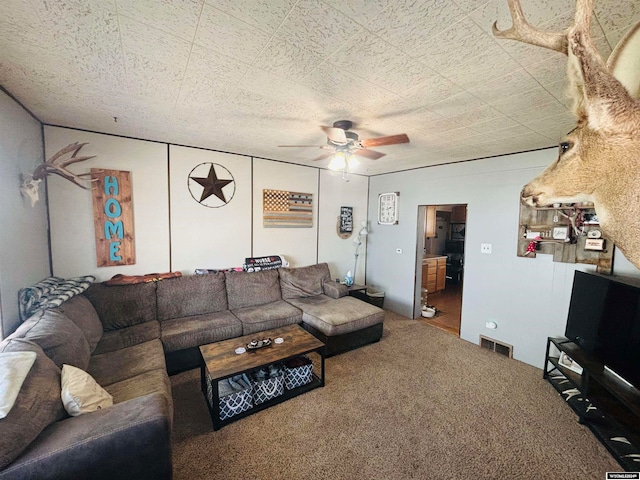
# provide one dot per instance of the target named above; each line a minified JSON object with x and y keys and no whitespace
{"x":358,"y":241}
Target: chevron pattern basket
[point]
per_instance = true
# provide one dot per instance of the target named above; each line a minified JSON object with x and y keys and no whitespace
{"x":297,"y":372}
{"x":232,"y":403}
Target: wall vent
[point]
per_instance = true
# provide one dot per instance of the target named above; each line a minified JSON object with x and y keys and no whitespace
{"x":496,"y":346}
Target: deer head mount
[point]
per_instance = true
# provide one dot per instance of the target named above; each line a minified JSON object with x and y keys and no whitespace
{"x":599,"y":160}
{"x":56,"y":165}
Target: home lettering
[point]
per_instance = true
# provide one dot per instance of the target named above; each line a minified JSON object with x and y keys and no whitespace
{"x":113,"y":210}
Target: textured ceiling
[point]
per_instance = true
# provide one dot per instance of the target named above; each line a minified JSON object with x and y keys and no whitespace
{"x":246,"y":76}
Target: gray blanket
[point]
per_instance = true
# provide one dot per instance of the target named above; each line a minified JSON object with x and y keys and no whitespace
{"x":50,"y":293}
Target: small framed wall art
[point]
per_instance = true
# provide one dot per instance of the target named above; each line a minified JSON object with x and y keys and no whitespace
{"x":388,"y":208}
{"x":345,"y":222}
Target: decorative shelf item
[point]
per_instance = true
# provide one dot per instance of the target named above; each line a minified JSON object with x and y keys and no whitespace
{"x":569,"y":232}
{"x":256,"y":344}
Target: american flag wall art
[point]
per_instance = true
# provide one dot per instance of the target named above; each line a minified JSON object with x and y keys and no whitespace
{"x":287,"y":209}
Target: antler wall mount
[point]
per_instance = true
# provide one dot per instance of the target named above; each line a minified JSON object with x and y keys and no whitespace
{"x":56,"y":165}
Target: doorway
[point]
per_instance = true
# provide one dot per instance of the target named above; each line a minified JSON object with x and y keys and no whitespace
{"x":440,"y":264}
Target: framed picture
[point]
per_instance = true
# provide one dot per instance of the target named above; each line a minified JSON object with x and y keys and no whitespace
{"x":567,"y":362}
{"x":346,"y":220}
{"x":388,"y":208}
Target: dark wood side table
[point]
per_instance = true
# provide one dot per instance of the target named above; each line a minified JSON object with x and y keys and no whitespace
{"x":357,"y":288}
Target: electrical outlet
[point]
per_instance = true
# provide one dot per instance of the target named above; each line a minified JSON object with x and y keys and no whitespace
{"x":485,"y":248}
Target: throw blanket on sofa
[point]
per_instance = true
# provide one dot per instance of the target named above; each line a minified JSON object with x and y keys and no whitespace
{"x":256,"y":264}
{"x":50,"y":293}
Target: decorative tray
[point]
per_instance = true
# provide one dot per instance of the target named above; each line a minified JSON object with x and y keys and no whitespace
{"x":256,"y":344}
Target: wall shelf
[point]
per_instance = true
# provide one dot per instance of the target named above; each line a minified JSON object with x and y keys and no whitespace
{"x":579,"y":222}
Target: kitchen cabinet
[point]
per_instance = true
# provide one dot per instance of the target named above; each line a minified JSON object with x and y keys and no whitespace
{"x":459,"y":214}
{"x":434,"y":272}
{"x":430,"y":222}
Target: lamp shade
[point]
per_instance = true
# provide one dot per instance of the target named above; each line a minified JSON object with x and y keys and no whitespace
{"x":338,"y":162}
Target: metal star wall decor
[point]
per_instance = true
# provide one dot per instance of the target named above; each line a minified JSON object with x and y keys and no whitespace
{"x":206,"y":186}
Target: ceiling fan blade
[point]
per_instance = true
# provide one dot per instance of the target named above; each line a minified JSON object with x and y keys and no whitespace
{"x":323,"y":156}
{"x":371,"y":154}
{"x":382,"y":141}
{"x":336,"y":135}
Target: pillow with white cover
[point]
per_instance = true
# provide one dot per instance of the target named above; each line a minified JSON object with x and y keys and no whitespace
{"x":14,"y":367}
{"x":81,"y":393}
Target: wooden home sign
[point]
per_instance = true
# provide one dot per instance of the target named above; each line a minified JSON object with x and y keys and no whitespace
{"x":113,"y":217}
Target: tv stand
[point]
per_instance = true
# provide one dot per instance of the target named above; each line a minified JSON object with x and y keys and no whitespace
{"x":603,"y":402}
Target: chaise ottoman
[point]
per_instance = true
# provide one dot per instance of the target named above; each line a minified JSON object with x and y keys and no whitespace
{"x":342,"y":322}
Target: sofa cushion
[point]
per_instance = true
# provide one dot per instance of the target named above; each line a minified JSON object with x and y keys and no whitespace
{"x":131,"y":440}
{"x":128,"y":337}
{"x":60,"y":338}
{"x":80,"y":392}
{"x":191,"y":295}
{"x":121,"y":306}
{"x":153,"y":381}
{"x":334,"y":289}
{"x":181,"y":333}
{"x":338,"y":316}
{"x":248,"y":289}
{"x":81,"y":312}
{"x":303,"y":281}
{"x":264,"y":317}
{"x":112,"y":367}
{"x":38,"y":403}
{"x":14,"y":368}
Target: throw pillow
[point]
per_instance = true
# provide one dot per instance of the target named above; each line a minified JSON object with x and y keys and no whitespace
{"x":81,"y":393}
{"x":14,"y":367}
{"x":37,"y":405}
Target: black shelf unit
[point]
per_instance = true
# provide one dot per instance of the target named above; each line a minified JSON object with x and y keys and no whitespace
{"x":288,"y":394}
{"x":604,"y":403}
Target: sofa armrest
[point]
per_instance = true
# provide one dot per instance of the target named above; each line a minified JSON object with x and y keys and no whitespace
{"x":334,"y":289}
{"x":131,"y":439}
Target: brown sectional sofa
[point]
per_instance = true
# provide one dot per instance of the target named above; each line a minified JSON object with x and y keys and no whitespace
{"x":128,"y":338}
{"x":131,"y":439}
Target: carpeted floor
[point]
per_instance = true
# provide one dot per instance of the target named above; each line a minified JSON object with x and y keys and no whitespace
{"x":420,"y":404}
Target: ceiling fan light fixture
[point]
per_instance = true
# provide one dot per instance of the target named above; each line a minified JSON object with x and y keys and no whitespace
{"x":353,"y":162}
{"x":338,"y":162}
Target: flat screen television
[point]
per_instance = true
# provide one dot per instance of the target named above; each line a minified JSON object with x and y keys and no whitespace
{"x":604,"y":319}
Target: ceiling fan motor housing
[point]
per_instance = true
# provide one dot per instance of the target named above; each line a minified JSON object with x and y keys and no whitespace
{"x":343,"y":124}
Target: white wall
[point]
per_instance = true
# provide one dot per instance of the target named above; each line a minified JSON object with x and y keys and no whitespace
{"x":203,"y":237}
{"x":338,"y":252}
{"x":73,"y":248}
{"x":527,"y":298}
{"x":174,"y":232}
{"x":24,"y":251}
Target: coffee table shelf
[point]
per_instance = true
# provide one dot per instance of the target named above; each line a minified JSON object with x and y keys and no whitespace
{"x":219,"y":361}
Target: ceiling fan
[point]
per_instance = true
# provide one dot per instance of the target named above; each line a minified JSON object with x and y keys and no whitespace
{"x":340,"y":140}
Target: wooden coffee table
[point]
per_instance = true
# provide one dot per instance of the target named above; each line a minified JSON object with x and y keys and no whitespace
{"x":220,"y":361}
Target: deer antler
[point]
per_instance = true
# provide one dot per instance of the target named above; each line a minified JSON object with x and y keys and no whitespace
{"x":56,"y":166}
{"x":522,"y":31}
